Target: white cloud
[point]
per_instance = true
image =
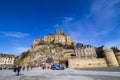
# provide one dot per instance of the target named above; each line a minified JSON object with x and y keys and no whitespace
{"x":68,"y":19}
{"x":15,"y":50}
{"x":15,"y":34}
{"x":79,"y":30}
{"x":95,"y":26}
{"x":103,"y":13}
{"x":19,"y":50}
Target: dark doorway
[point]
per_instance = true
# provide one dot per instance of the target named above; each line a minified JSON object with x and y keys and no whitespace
{"x":66,"y":64}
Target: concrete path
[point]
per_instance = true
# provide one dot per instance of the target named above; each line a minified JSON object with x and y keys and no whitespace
{"x":67,"y":74}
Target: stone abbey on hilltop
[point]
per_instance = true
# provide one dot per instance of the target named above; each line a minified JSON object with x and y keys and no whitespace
{"x":57,"y":47}
{"x":60,"y":48}
{"x":58,"y":37}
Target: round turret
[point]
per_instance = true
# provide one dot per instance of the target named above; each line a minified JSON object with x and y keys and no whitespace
{"x":117,"y":54}
{"x":110,"y":57}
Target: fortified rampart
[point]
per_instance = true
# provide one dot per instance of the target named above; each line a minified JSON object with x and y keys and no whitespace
{"x":110,"y":57}
{"x":117,"y":54}
{"x":88,"y":58}
{"x":87,"y":62}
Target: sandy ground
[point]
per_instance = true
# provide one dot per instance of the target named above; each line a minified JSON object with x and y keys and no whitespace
{"x":67,"y":74}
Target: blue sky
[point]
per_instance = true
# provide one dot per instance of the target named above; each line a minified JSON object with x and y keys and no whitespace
{"x":95,"y":22}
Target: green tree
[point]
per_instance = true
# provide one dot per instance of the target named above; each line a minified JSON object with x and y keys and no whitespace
{"x":18,"y":60}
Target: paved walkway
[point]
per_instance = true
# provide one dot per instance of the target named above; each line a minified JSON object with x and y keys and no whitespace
{"x":67,"y":74}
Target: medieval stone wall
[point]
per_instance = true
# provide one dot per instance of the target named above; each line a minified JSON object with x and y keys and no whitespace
{"x":87,"y":62}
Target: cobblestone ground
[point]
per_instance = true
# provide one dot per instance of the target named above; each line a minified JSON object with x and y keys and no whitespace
{"x":68,"y":74}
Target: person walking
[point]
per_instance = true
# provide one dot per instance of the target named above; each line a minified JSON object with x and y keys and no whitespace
{"x":18,"y":70}
{"x":23,"y":68}
{"x":15,"y":69}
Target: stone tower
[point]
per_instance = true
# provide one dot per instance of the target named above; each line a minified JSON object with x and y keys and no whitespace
{"x":110,"y":57}
{"x":117,"y":54}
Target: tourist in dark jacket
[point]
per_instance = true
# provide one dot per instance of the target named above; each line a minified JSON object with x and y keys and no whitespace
{"x":18,"y":70}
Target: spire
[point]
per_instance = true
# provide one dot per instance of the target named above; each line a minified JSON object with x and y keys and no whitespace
{"x":57,"y":30}
{"x":57,"y":26}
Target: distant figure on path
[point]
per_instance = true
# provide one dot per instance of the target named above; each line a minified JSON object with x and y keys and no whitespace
{"x":27,"y":67}
{"x":48,"y":67}
{"x":43,"y":67}
{"x":23,"y":68}
{"x":18,"y":70}
{"x":0,"y":68}
{"x":15,"y":69}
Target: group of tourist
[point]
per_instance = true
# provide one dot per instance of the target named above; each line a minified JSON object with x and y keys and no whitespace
{"x":17,"y":69}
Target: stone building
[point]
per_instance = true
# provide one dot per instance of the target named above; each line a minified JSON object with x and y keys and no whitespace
{"x":110,"y":57}
{"x":58,"y":37}
{"x":6,"y":60}
{"x":86,"y":57}
{"x":91,"y":57}
{"x":86,"y":51}
{"x":56,"y":46}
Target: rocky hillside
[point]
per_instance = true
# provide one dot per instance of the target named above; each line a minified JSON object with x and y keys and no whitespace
{"x":40,"y":53}
{"x":58,"y":47}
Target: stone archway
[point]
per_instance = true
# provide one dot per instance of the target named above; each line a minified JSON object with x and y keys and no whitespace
{"x":66,"y":64}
